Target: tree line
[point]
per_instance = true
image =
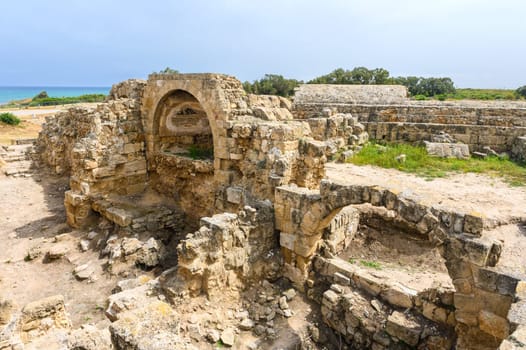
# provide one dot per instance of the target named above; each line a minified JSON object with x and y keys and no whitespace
{"x":418,"y":87}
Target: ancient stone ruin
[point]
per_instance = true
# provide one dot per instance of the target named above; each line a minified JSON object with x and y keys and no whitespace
{"x":232,"y":196}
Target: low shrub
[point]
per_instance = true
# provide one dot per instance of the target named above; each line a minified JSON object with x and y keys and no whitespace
{"x":9,"y":118}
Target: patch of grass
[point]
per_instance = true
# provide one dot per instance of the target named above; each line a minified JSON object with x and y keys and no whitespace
{"x":371,"y":264}
{"x":196,"y":152}
{"x":220,"y":344}
{"x":483,"y":94}
{"x":420,"y":163}
{"x":352,"y":261}
{"x":9,"y":118}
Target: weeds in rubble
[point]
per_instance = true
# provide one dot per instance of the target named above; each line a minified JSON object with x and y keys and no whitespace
{"x":196,"y":152}
{"x":417,"y":161}
{"x":371,"y":264}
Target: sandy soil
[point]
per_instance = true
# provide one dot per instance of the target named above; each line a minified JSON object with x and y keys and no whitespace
{"x":414,"y":264}
{"x":464,"y":192}
{"x":31,"y":213}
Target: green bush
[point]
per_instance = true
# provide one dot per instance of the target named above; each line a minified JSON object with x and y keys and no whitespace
{"x":521,"y":91}
{"x":420,"y":98}
{"x":200,"y":152}
{"x":54,"y":101}
{"x":9,"y":118}
{"x":272,"y":84}
{"x":41,"y":94}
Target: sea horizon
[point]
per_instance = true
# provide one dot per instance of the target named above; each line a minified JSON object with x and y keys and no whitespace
{"x":13,"y":93}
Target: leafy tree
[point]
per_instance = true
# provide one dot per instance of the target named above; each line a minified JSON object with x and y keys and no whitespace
{"x":426,"y":86}
{"x":41,"y":94}
{"x":272,"y":84}
{"x":521,"y":91}
{"x":359,"y":75}
{"x":169,"y":70}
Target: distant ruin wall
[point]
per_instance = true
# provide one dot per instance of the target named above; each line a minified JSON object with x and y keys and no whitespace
{"x":350,"y":94}
{"x":477,"y":124}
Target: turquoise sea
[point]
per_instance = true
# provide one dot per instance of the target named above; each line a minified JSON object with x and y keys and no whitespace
{"x":10,"y":93}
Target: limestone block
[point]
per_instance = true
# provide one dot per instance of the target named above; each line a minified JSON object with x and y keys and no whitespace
{"x":447,"y":150}
{"x":495,"y":325}
{"x":399,"y":295}
{"x":473,"y":223}
{"x":119,"y":216}
{"x":151,"y":327}
{"x":287,"y":240}
{"x":133,"y":147}
{"x":234,"y":195}
{"x":40,"y":316}
{"x":403,"y":328}
{"x":103,"y":172}
{"x":371,"y":284}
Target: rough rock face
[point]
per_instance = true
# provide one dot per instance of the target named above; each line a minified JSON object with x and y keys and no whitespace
{"x":518,"y":149}
{"x":131,"y":88}
{"x":152,"y":327}
{"x":349,"y":94}
{"x":227,"y":252}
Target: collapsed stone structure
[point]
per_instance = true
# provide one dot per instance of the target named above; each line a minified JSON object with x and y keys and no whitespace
{"x":245,"y":174}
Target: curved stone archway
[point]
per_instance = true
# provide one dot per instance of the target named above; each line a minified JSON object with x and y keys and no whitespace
{"x":201,"y":92}
{"x":181,"y":124}
{"x":184,"y":119}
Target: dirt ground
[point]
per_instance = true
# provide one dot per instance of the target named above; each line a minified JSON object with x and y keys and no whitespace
{"x":31,"y":214}
{"x":466,"y":193}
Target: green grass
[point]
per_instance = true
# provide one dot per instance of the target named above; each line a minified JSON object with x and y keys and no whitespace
{"x":196,"y":152}
{"x":55,"y":101}
{"x":420,"y":163}
{"x":474,"y":94}
{"x":9,"y":118}
{"x":371,"y":264}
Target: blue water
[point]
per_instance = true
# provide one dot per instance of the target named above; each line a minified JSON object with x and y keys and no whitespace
{"x":10,"y":93}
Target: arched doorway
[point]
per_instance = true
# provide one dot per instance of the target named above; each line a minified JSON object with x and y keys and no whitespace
{"x":183,"y":127}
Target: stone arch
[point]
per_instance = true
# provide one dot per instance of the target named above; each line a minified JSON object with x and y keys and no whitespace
{"x":207,"y":90}
{"x":180,"y":122}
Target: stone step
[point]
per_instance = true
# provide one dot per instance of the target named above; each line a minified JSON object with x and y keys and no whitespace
{"x":18,"y":169}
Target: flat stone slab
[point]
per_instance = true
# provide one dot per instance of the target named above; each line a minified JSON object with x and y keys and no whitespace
{"x":447,"y":150}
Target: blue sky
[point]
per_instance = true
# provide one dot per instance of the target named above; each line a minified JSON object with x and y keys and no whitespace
{"x":479,"y":43}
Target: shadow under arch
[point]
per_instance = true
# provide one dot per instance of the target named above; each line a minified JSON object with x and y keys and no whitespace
{"x":181,"y":122}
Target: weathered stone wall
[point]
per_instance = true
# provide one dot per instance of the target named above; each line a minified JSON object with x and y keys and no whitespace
{"x":483,"y":295}
{"x":227,"y":252}
{"x":518,"y":149}
{"x":101,"y":147}
{"x":496,"y":125}
{"x":349,"y":94}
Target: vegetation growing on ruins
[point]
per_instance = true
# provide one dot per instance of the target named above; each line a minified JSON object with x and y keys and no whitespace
{"x":9,"y":118}
{"x":167,"y":70}
{"x":272,"y":84}
{"x":359,"y":75}
{"x":196,"y":152}
{"x":419,"y":88}
{"x":417,"y":161}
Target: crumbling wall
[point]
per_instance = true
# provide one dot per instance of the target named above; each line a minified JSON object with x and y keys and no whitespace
{"x":477,"y":124}
{"x":227,"y":252}
{"x":101,"y":147}
{"x":332,"y":94}
{"x":483,"y":295}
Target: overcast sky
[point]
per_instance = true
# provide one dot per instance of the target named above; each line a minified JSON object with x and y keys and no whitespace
{"x":478,"y":43}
